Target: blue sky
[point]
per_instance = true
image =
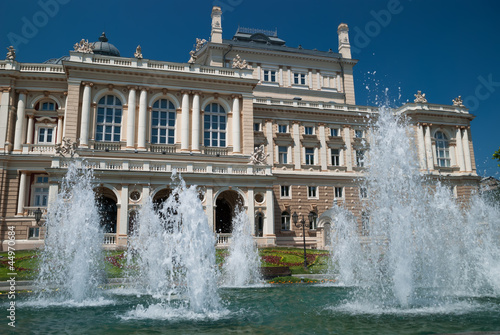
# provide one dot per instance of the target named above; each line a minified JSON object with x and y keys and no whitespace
{"x":443,"y":48}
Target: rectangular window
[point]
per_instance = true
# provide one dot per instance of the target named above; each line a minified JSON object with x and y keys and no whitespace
{"x":309,"y":156}
{"x":338,"y":192}
{"x":40,"y":196}
{"x":34,"y":232}
{"x":309,"y":130}
{"x":312,"y":192}
{"x":299,"y":78}
{"x":48,"y":106}
{"x":285,"y":191}
{"x":363,"y":193}
{"x":334,"y":132}
{"x":335,"y":157}
{"x":270,"y":75}
{"x":45,"y":135}
{"x":285,"y":221}
{"x":282,"y":128}
{"x":283,"y":155}
{"x":360,"y":158}
{"x":256,"y":126}
{"x":358,"y":133}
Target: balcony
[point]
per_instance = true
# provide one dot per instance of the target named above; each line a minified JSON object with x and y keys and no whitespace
{"x":39,"y":149}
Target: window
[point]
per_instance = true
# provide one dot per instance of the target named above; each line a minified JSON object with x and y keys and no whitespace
{"x":299,"y":78}
{"x":34,"y":232}
{"x":257,"y":126}
{"x":282,"y":128}
{"x":334,"y":132}
{"x":215,"y":126}
{"x":163,"y":122}
{"x":285,"y":191}
{"x":363,"y":193}
{"x":45,"y":135}
{"x":40,"y":191}
{"x":109,"y":119}
{"x":338,"y":192}
{"x":309,"y":130}
{"x":365,"y":222}
{"x":309,"y":156}
{"x":335,"y":157}
{"x":358,"y":133}
{"x":360,"y":158}
{"x":285,"y":221}
{"x":442,"y":149}
{"x":329,"y":81}
{"x":48,"y":106}
{"x":283,"y":155}
{"x":270,"y":75}
{"x":314,"y":221}
{"x":312,"y":191}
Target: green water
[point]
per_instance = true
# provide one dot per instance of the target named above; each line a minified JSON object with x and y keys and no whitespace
{"x":280,"y":309}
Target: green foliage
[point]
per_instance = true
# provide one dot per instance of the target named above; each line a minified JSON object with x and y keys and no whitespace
{"x":496,"y":155}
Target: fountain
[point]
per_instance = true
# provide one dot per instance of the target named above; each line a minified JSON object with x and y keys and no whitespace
{"x":242,"y":266}
{"x":71,"y":261}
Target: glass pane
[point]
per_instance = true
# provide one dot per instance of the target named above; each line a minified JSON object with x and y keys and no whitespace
{"x":156,"y":104}
{"x":107,"y":137}
{"x":110,"y":99}
{"x":116,"y":138}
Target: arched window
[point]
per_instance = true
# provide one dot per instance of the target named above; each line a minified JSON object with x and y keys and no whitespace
{"x":314,"y":220}
{"x":285,"y":221}
{"x":109,"y":119}
{"x":46,"y":105}
{"x":259,"y":224}
{"x":163,"y":122}
{"x":215,"y":126}
{"x":442,"y":149}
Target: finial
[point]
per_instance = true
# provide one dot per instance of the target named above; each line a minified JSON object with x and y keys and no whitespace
{"x":458,"y":102}
{"x":103,"y":37}
{"x":420,"y":98}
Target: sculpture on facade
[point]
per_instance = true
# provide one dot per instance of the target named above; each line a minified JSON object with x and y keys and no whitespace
{"x":458,"y":102}
{"x":420,"y":98}
{"x":11,"y":54}
{"x":192,"y":60}
{"x":239,"y":63}
{"x":200,"y":43}
{"x":84,"y":46}
{"x":138,"y":52}
{"x":258,"y":157}
{"x":66,"y":147}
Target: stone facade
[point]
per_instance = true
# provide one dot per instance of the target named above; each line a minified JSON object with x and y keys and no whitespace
{"x":136,"y":120}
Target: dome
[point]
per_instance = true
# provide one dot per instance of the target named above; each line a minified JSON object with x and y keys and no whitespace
{"x":56,"y":60}
{"x":102,"y":47}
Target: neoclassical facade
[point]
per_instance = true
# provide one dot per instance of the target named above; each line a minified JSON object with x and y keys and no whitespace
{"x":136,"y":120}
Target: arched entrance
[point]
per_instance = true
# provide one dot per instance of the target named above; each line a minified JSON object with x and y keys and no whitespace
{"x":160,"y":197}
{"x":225,"y":206}
{"x":108,"y":211}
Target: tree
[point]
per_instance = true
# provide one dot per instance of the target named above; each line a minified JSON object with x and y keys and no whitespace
{"x":496,"y":155}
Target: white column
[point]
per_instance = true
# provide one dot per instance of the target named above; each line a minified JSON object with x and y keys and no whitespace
{"x":22,"y":194}
{"x":428,"y":148}
{"x":31,"y":126}
{"x":59,"y":129}
{"x":123,"y":224}
{"x":339,"y":87}
{"x":259,"y":73}
{"x":63,"y":129}
{"x":4,"y":116}
{"x":195,"y":139}
{"x":251,"y":210}
{"x":270,"y":142}
{"x":322,"y":148}
{"x":421,"y":147}
{"x":143,"y":117}
{"x":289,"y":73}
{"x":185,"y":121}
{"x":341,"y":157}
{"x":310,"y":77}
{"x":131,"y":118}
{"x":21,"y":110}
{"x":459,"y":149}
{"x":318,"y":79}
{"x":348,"y":153}
{"x":297,"y":148}
{"x":209,"y":210}
{"x":236,"y":125}
{"x":467,"y":156}
{"x":281,"y":76}
{"x":84,"y":126}
{"x":269,"y":223}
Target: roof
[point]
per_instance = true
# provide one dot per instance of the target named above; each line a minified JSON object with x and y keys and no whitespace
{"x":103,"y":47}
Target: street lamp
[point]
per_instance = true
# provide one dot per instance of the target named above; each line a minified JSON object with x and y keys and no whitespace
{"x":38,"y":216}
{"x":302,"y":222}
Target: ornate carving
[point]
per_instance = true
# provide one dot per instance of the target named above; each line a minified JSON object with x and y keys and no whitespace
{"x":200,"y":43}
{"x":84,"y":46}
{"x":11,"y":54}
{"x":67,"y":147}
{"x":258,"y":157}
{"x":420,"y":98}
{"x":138,"y":52}
{"x":239,"y":63}
{"x":458,"y":101}
{"x":192,"y":60}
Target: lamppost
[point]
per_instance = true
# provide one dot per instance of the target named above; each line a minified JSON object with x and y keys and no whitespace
{"x":302,"y":222}
{"x":38,"y":216}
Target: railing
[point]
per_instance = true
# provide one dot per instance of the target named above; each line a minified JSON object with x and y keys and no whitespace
{"x":216,"y":151}
{"x":109,"y":238}
{"x":107,"y":146}
{"x":314,"y":104}
{"x":223,"y":239}
{"x":29,"y":211}
{"x":163,"y":148}
{"x":31,"y":67}
{"x":39,"y":149}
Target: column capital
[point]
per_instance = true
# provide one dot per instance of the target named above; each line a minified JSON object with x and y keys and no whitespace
{"x":185,"y":92}
{"x":268,"y":120}
{"x":295,"y":122}
{"x":142,"y":88}
{"x":93,"y":105}
{"x":322,"y":124}
{"x":6,"y":89}
{"x":87,"y":83}
{"x":236,"y":96}
{"x":22,"y":92}
{"x":130,"y":88}
{"x":197,"y":92}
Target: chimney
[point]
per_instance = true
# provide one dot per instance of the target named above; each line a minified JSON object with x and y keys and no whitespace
{"x":344,"y":45}
{"x":216,"y":35}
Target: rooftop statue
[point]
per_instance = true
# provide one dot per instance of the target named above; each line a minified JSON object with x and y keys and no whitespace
{"x":239,"y":63}
{"x":200,"y":43}
{"x":420,"y":98}
{"x":458,"y":102}
{"x":192,"y":60}
{"x":11,"y":54}
{"x":138,"y":52}
{"x":84,"y":46}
